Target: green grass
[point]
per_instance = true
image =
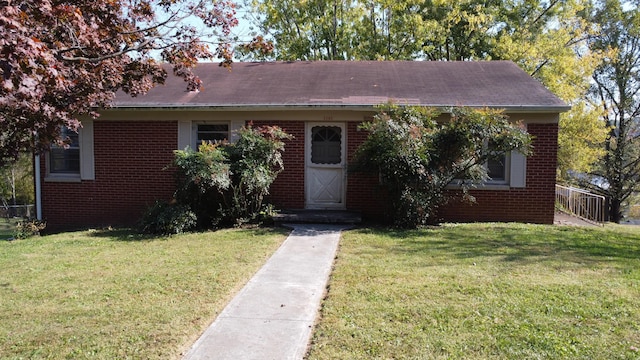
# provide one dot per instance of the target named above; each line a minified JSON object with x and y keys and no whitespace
{"x":483,"y":291}
{"x":7,"y":227}
{"x":114,"y":295}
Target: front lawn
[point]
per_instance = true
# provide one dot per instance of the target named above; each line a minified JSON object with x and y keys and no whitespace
{"x":114,"y":295}
{"x":484,"y":291}
{"x":7,"y":227}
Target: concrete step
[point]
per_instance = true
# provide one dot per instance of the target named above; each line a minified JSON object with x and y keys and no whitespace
{"x":318,"y":217}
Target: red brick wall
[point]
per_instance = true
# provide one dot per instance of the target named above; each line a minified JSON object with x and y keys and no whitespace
{"x":129,"y":176}
{"x":363,"y":192}
{"x":287,"y":191}
{"x":533,"y":204}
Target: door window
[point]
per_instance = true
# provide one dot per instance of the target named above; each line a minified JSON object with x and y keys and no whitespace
{"x":326,"y":145}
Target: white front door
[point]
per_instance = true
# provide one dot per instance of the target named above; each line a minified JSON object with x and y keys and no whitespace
{"x":325,"y":166}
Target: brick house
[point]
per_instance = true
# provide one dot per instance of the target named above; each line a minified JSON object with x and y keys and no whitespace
{"x":115,"y":166}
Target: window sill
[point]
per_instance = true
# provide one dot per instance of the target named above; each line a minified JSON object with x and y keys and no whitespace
{"x":499,"y":187}
{"x":71,"y":178}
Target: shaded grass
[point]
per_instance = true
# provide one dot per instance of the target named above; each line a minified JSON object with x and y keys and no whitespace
{"x":112,"y":294}
{"x":483,"y":291}
{"x":7,"y":227}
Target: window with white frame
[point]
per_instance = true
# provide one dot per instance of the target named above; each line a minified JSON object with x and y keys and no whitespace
{"x":211,"y":132}
{"x":75,"y":161}
{"x":66,"y":160}
{"x":498,"y":170}
{"x":498,"y":167}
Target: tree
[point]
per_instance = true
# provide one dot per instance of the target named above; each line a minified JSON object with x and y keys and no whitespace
{"x":16,"y":182}
{"x":417,"y":157}
{"x":546,"y":38}
{"x":306,"y":30}
{"x":372,"y":30}
{"x":61,"y":60}
{"x":617,"y":85}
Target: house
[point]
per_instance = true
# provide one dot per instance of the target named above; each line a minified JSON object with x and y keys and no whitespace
{"x":115,"y":167}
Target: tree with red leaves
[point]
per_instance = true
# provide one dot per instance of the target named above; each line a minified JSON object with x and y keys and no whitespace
{"x":61,"y":60}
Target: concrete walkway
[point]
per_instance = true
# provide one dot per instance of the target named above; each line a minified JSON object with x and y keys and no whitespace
{"x":273,"y":316}
{"x":561,"y":218}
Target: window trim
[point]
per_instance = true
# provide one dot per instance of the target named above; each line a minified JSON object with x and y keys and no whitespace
{"x":64,"y":153}
{"x":86,"y":158}
{"x":515,"y":175}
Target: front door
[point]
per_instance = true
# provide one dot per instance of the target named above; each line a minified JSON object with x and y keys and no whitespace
{"x":325,"y":166}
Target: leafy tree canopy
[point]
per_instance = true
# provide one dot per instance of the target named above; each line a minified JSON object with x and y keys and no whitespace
{"x":616,"y":84}
{"x":60,"y":59}
{"x":546,"y":38}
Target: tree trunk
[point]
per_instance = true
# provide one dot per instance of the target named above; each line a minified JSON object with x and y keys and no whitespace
{"x":615,"y":211}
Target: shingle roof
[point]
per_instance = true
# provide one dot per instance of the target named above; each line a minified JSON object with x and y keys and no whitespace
{"x":500,"y":84}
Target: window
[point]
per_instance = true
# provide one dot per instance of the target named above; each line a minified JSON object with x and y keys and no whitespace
{"x":211,"y":133}
{"x":326,"y":145}
{"x":500,"y":171}
{"x":497,"y":168}
{"x":75,"y":162}
{"x":66,"y":160}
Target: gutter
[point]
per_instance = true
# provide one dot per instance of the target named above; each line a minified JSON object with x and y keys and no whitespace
{"x":330,"y":107}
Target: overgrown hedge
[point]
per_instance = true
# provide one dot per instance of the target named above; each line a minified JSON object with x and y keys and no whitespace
{"x":221,"y":184}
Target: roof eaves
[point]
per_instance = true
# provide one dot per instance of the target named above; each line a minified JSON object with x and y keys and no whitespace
{"x":330,"y":106}
{"x":534,"y":109}
{"x":245,"y":107}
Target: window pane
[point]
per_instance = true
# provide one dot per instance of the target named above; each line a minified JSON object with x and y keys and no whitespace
{"x":211,"y":137}
{"x":65,"y":161}
{"x":213,"y":127}
{"x":212,"y":133}
{"x":70,"y":137}
{"x":496,"y":168}
{"x":326,"y":145}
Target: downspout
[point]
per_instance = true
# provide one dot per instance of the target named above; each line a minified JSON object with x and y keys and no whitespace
{"x":36,"y":175}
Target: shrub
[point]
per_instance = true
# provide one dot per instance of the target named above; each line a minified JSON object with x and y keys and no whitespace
{"x":224,"y":183}
{"x":165,"y":218}
{"x":27,"y":228}
{"x":255,"y":161}
{"x":201,"y":179}
{"x":417,"y":157}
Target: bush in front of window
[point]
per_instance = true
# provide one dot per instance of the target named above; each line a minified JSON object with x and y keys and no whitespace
{"x":222,"y":184}
{"x":417,"y":154}
{"x":201,"y":177}
{"x":255,"y":160}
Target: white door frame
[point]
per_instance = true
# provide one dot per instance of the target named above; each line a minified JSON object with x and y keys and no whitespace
{"x":310,"y":167}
